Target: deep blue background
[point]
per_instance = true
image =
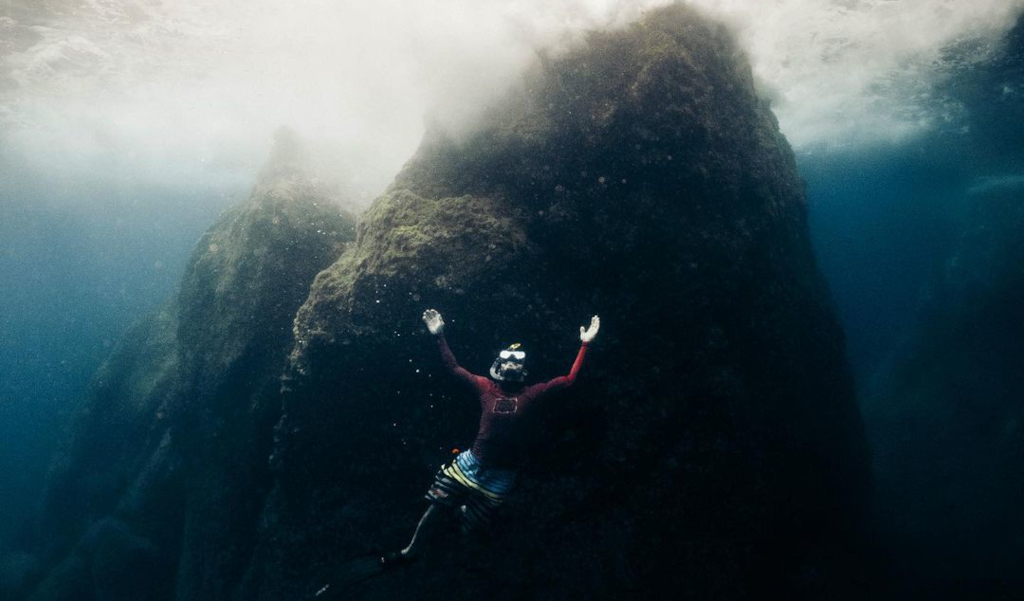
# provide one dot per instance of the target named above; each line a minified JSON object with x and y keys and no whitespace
{"x":77,"y":274}
{"x":882,"y":224}
{"x":77,"y":266}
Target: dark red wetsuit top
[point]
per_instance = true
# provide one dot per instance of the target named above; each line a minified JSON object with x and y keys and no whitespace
{"x":504,"y":409}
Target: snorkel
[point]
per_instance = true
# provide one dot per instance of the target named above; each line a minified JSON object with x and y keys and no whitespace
{"x":508,"y":366}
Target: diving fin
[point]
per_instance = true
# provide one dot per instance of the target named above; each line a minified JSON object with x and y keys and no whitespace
{"x":349,"y":574}
{"x":357,"y":570}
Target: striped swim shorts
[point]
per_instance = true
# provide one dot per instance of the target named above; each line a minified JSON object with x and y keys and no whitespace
{"x":477,"y":491}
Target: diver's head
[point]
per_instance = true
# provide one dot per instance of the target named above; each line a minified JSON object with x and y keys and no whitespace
{"x":509,"y":366}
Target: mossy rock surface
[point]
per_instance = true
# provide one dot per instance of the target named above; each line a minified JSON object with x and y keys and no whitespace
{"x":250,"y":273}
{"x":713,"y":447}
{"x":410,"y":248}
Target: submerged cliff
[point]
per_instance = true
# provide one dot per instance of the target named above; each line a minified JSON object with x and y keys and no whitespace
{"x":158,"y":486}
{"x":713,"y":447}
{"x":945,"y":417}
{"x":947,"y":421}
{"x":238,"y":297}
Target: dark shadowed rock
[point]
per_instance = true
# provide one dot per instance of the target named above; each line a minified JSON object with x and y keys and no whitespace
{"x":249,"y":274}
{"x":713,"y":448}
{"x":115,"y":431}
{"x":115,"y":461}
{"x":948,"y":423}
{"x":157,"y":492}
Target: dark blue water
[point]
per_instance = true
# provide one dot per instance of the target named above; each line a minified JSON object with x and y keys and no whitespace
{"x":885,"y":220}
{"x":78,"y":267}
{"x":79,"y":264}
{"x":883,"y":223}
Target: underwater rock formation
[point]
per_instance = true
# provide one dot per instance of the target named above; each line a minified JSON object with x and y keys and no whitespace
{"x":249,"y":274}
{"x":116,"y":466}
{"x":946,"y":418}
{"x":713,"y":447}
{"x":947,"y":423}
{"x":158,"y":489}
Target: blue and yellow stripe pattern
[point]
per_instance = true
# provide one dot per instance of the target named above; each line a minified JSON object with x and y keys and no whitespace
{"x":476,"y":490}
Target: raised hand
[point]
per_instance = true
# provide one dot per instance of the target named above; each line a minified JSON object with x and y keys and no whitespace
{"x":433,"y":320}
{"x":587,"y":334}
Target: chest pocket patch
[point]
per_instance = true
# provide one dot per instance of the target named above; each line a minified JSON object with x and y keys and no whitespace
{"x":506,"y":406}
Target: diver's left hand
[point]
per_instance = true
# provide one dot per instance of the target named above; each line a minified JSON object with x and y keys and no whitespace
{"x":434,"y":322}
{"x":587,"y":334}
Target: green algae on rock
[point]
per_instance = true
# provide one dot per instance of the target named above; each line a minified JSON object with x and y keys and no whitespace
{"x":714,"y":447}
{"x":421,"y":247}
{"x":249,"y":274}
{"x":711,"y":449}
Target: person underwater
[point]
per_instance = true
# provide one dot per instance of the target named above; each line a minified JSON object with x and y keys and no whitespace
{"x":478,"y":481}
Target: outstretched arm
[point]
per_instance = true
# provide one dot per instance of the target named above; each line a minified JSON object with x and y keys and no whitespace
{"x":586,"y":336}
{"x":436,"y":326}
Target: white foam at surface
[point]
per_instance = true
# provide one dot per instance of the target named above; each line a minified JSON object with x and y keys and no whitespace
{"x":174,"y":89}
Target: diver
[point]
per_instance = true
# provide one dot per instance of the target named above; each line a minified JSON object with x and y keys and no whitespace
{"x":478,"y":481}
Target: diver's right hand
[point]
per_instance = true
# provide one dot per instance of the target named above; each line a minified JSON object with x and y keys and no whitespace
{"x":433,"y":320}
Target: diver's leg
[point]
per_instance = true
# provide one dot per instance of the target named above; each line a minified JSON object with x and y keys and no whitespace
{"x":477,"y":515}
{"x":423,"y":530}
{"x":446,"y":492}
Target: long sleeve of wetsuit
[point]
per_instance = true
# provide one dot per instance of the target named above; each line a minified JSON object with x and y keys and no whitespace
{"x":473,"y":381}
{"x":562,"y":381}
